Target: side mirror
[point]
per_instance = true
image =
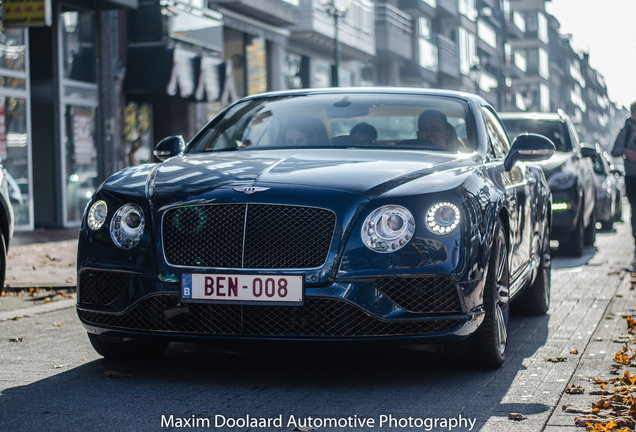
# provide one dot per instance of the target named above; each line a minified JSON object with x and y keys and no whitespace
{"x":529,"y":147}
{"x":589,"y":152}
{"x":168,"y":147}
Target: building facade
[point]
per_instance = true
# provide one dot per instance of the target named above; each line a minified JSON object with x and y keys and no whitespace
{"x":95,"y":88}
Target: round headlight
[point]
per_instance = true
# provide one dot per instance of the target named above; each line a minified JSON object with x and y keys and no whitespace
{"x":443,"y":218}
{"x":97,"y":215}
{"x":127,"y":226}
{"x":388,"y":229}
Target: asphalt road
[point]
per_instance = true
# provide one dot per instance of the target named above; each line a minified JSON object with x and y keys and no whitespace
{"x":52,"y":380}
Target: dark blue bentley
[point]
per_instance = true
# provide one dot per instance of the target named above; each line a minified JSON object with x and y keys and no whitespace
{"x":322,"y":215}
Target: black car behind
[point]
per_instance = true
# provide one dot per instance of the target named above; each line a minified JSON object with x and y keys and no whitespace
{"x":570,"y":176}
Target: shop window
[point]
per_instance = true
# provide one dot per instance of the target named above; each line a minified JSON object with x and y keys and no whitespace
{"x":81,"y":159}
{"x":78,"y":46}
{"x":14,"y":154}
{"x":12,"y":50}
{"x":294,"y":71}
{"x":138,"y":134}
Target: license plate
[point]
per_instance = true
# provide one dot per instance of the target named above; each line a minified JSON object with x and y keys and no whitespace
{"x":242,"y":288}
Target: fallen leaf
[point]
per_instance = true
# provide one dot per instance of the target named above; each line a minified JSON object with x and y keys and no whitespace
{"x":574,"y":389}
{"x":605,"y":424}
{"x":516,"y":416}
{"x":627,"y":379}
{"x":574,"y":352}
{"x":602,"y":392}
{"x":574,"y":409}
{"x":556,"y":359}
{"x":57,"y":325}
{"x":60,"y":366}
{"x":115,"y":374}
{"x":597,"y":381}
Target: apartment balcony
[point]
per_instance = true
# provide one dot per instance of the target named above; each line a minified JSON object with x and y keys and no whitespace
{"x":393,"y":33}
{"x":448,"y":55}
{"x":448,"y":8}
{"x":274,"y":12}
{"x":513,"y":71}
{"x":492,"y":4}
{"x":315,"y":31}
{"x":419,"y":8}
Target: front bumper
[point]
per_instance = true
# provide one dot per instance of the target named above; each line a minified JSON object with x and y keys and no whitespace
{"x":133,"y":305}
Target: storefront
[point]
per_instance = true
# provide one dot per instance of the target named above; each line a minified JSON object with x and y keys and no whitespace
{"x":70,"y":120}
{"x":15,"y":123}
{"x":174,"y":74}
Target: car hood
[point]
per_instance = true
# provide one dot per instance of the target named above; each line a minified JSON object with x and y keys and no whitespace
{"x":370,"y":172}
{"x":559,"y":161}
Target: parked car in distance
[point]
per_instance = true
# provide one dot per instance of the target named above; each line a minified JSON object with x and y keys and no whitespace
{"x":608,"y":189}
{"x":278,"y":221}
{"x":570,"y":174}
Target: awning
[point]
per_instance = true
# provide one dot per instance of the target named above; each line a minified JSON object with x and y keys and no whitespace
{"x":121,"y":3}
{"x":209,"y":86}
{"x":178,"y":71}
{"x":184,"y":75}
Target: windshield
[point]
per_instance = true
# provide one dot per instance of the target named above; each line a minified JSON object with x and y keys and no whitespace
{"x":341,"y":120}
{"x":555,"y":130}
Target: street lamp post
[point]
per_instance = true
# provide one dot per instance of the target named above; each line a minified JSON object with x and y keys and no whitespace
{"x":337,"y":9}
{"x":475,"y":76}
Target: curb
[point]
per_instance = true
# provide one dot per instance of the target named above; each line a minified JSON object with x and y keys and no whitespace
{"x":35,"y":310}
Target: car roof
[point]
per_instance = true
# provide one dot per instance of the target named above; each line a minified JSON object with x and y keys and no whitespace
{"x":552,"y":116}
{"x":375,"y":90}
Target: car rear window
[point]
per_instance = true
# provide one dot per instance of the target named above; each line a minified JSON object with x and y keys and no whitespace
{"x":555,"y":130}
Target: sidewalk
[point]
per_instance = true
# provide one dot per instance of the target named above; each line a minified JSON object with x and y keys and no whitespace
{"x":41,"y":273}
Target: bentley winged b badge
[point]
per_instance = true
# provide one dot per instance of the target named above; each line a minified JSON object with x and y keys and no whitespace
{"x":250,"y":189}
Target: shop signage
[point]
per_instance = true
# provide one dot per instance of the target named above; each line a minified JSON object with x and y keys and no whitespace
{"x":25,"y":13}
{"x":256,"y":66}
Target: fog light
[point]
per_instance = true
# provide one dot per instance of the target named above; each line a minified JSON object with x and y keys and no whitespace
{"x":559,"y":206}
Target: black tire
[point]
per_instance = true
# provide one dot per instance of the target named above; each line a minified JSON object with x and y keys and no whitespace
{"x":491,"y":339}
{"x":535,"y":299}
{"x":118,"y":348}
{"x":573,"y":246}
{"x":589,"y":234}
{"x":618,"y":214}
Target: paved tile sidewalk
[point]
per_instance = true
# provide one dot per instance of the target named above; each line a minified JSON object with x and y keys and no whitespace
{"x":41,"y":272}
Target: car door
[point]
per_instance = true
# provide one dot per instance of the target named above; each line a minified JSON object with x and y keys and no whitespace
{"x":518,"y":185}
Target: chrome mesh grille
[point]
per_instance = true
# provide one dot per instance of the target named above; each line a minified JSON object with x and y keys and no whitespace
{"x":435,"y":294}
{"x":247,"y":236}
{"x":318,"y":317}
{"x":100,"y":288}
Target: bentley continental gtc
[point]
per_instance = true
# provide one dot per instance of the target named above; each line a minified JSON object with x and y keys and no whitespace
{"x":335,"y":215}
